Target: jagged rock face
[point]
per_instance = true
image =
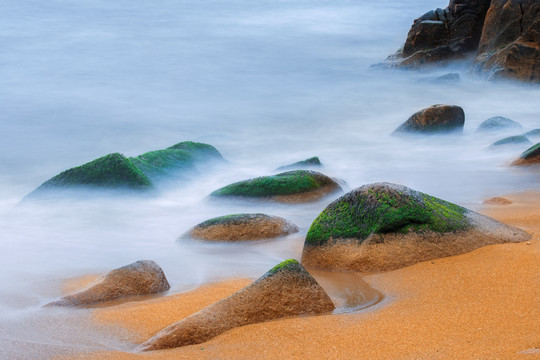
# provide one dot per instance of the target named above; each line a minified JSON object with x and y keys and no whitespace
{"x":531,"y":156}
{"x":434,"y":119}
{"x":510,"y":43}
{"x":240,"y":227}
{"x":143,"y":277}
{"x":383,"y":226}
{"x":447,"y":34}
{"x":286,"y":290}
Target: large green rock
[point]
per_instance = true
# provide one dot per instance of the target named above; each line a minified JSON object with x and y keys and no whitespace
{"x":385,"y":226}
{"x":297,"y":185}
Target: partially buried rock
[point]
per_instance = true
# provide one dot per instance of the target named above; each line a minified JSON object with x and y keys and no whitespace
{"x":239,"y":227}
{"x":530,"y":157}
{"x":291,"y":186}
{"x":512,"y":140}
{"x":497,"y":201}
{"x":434,"y":119}
{"x":286,"y":290}
{"x":533,"y":133}
{"x":311,"y":162}
{"x":498,"y":123}
{"x":143,"y":277}
{"x":385,"y":226}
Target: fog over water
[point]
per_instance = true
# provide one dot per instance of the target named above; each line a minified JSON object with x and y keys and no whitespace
{"x":267,"y":83}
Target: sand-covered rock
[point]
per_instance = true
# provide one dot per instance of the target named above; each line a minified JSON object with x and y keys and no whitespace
{"x":385,"y":226}
{"x":238,"y":227}
{"x":286,"y":290}
{"x":143,"y":277}
{"x":304,"y":164}
{"x":499,"y":123}
{"x":434,"y":119}
{"x":512,"y":140}
{"x":291,"y":186}
{"x":531,"y":156}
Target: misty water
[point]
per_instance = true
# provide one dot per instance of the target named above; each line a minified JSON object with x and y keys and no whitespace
{"x":267,"y":83}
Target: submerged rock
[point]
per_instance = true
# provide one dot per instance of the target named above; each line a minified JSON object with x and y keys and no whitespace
{"x":143,"y":277}
{"x":498,"y":123}
{"x":286,"y":290}
{"x":533,"y":133}
{"x":512,"y":140}
{"x":450,"y":77}
{"x":531,"y":156}
{"x":434,"y":119}
{"x":311,"y":162}
{"x":291,"y":186}
{"x":385,"y":226}
{"x":242,"y":227}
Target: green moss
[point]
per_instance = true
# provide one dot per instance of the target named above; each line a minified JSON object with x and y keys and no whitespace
{"x":519,"y":139}
{"x":384,"y":208}
{"x":287,"y":183}
{"x":289,"y":265}
{"x":531,"y":152}
{"x":113,"y":170}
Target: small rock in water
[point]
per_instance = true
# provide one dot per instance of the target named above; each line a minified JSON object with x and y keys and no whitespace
{"x":497,"y":201}
{"x":498,"y":123}
{"x":512,"y":140}
{"x":311,"y":162}
{"x":435,"y":119}
{"x":143,"y":277}
{"x":285,"y":290}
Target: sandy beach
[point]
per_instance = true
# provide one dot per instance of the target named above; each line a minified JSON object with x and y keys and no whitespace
{"x":480,"y":305}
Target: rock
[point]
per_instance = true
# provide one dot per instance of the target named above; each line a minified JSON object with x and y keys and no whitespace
{"x":450,"y":77}
{"x":242,"y":227}
{"x":291,"y":186}
{"x":510,"y":44}
{"x":385,"y":226}
{"x":442,"y":35}
{"x":286,"y":290}
{"x":498,"y":123}
{"x":143,"y":277}
{"x":311,"y":162}
{"x":434,"y":119}
{"x":497,"y":201}
{"x":533,"y":133}
{"x":512,"y":140}
{"x":531,"y":156}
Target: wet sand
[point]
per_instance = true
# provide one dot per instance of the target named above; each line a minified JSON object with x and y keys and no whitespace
{"x":480,"y":305}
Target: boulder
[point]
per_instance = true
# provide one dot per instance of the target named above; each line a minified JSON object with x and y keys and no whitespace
{"x":383,"y":226}
{"x":239,"y":227}
{"x":498,"y":123}
{"x":512,"y":140}
{"x":510,"y":44}
{"x":440,"y":35}
{"x":286,"y":290}
{"x":434,"y":119}
{"x":531,"y":156}
{"x":291,"y":186}
{"x":143,"y":277}
{"x":308,"y":163}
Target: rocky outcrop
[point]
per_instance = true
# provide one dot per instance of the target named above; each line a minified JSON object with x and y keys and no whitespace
{"x":308,"y":163}
{"x":384,"y":226}
{"x":434,"y":119}
{"x":143,"y":277}
{"x":441,"y":35}
{"x":499,"y":123}
{"x":291,"y":186}
{"x":511,"y":140}
{"x":530,"y":157}
{"x":240,"y":227}
{"x":286,"y":290}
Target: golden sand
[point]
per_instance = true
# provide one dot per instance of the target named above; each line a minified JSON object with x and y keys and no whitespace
{"x":481,"y":305}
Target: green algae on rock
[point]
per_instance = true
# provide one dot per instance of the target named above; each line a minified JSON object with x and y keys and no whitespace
{"x":311,"y":162}
{"x":285,"y":290}
{"x":512,"y":140}
{"x":531,"y":156}
{"x":238,"y":227}
{"x":386,"y":226}
{"x":297,"y":185}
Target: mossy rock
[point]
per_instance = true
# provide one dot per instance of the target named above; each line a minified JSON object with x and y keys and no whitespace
{"x":109,"y":171}
{"x":512,"y":140}
{"x":386,"y":226}
{"x":498,"y":123}
{"x":182,"y":156}
{"x":533,"y":133}
{"x":311,"y":162}
{"x":285,"y":290}
{"x":297,"y":185}
{"x":531,"y":156}
{"x":239,"y":227}
{"x":436,"y":119}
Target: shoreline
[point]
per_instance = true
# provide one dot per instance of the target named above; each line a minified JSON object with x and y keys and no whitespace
{"x":482,"y":305}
